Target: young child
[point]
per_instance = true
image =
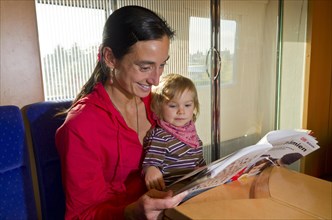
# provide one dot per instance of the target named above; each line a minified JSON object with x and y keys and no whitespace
{"x":173,"y":147}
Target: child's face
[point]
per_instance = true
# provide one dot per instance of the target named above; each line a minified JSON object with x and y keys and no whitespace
{"x":180,"y":109}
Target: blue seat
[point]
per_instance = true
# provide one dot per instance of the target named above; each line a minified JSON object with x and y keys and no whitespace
{"x":42,"y":125}
{"x":17,"y":199}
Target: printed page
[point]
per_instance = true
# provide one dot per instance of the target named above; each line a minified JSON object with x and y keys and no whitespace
{"x":280,"y":147}
{"x":222,"y":171}
{"x":289,"y":145}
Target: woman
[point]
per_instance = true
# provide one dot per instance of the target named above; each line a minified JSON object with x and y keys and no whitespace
{"x":100,"y":143}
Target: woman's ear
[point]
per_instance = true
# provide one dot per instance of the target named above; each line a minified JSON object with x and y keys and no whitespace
{"x":109,"y":58}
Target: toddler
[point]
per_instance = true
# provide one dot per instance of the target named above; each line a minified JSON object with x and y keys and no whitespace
{"x":173,"y":147}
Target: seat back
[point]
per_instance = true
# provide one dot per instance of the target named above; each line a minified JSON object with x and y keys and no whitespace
{"x":42,"y":124}
{"x":17,"y":199}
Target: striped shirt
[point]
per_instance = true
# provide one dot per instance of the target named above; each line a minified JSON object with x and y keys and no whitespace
{"x":173,"y":157}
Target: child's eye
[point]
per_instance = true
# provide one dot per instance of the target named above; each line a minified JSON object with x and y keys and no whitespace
{"x":171,"y":105}
{"x":189,"y":104}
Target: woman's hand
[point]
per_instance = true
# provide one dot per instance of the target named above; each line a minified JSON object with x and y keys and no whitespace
{"x":151,"y":204}
{"x":154,"y":178}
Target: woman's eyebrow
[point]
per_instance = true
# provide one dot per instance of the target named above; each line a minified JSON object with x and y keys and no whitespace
{"x":140,"y":62}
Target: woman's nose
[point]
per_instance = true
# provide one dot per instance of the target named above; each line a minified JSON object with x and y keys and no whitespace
{"x":155,"y":76}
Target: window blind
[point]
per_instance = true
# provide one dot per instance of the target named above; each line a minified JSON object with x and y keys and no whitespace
{"x":70,"y":32}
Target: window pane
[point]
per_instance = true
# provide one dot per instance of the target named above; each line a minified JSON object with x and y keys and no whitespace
{"x":247,"y":103}
{"x":69,"y":37}
{"x":293,"y":68}
{"x":199,"y":46}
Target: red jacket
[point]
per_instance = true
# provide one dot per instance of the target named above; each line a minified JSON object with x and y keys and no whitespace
{"x":100,"y":159}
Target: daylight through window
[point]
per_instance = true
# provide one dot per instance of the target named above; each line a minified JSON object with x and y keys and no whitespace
{"x":69,"y":37}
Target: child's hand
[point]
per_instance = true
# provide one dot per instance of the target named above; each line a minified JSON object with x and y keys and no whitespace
{"x":154,"y":178}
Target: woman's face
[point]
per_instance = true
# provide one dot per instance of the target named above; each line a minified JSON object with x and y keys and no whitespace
{"x":142,"y":67}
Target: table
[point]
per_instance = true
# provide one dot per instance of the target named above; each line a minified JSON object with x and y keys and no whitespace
{"x":277,"y":193}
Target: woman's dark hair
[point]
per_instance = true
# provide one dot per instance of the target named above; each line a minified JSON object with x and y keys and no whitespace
{"x":123,"y":28}
{"x":131,"y":24}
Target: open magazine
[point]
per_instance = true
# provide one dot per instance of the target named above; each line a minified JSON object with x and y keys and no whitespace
{"x":279,"y":147}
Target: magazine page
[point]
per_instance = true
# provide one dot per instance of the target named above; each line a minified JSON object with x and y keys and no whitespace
{"x":288,"y":147}
{"x":280,"y":147}
{"x":219,"y":171}
{"x":201,"y":171}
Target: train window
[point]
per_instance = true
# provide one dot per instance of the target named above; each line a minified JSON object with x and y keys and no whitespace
{"x":69,"y":37}
{"x":199,"y":49}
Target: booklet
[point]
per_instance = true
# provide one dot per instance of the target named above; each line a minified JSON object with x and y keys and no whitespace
{"x":279,"y":147}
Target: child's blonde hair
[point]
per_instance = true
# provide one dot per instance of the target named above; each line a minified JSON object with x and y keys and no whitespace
{"x":170,"y":86}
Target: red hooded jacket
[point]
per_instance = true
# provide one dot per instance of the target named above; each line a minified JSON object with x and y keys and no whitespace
{"x":100,"y":158}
